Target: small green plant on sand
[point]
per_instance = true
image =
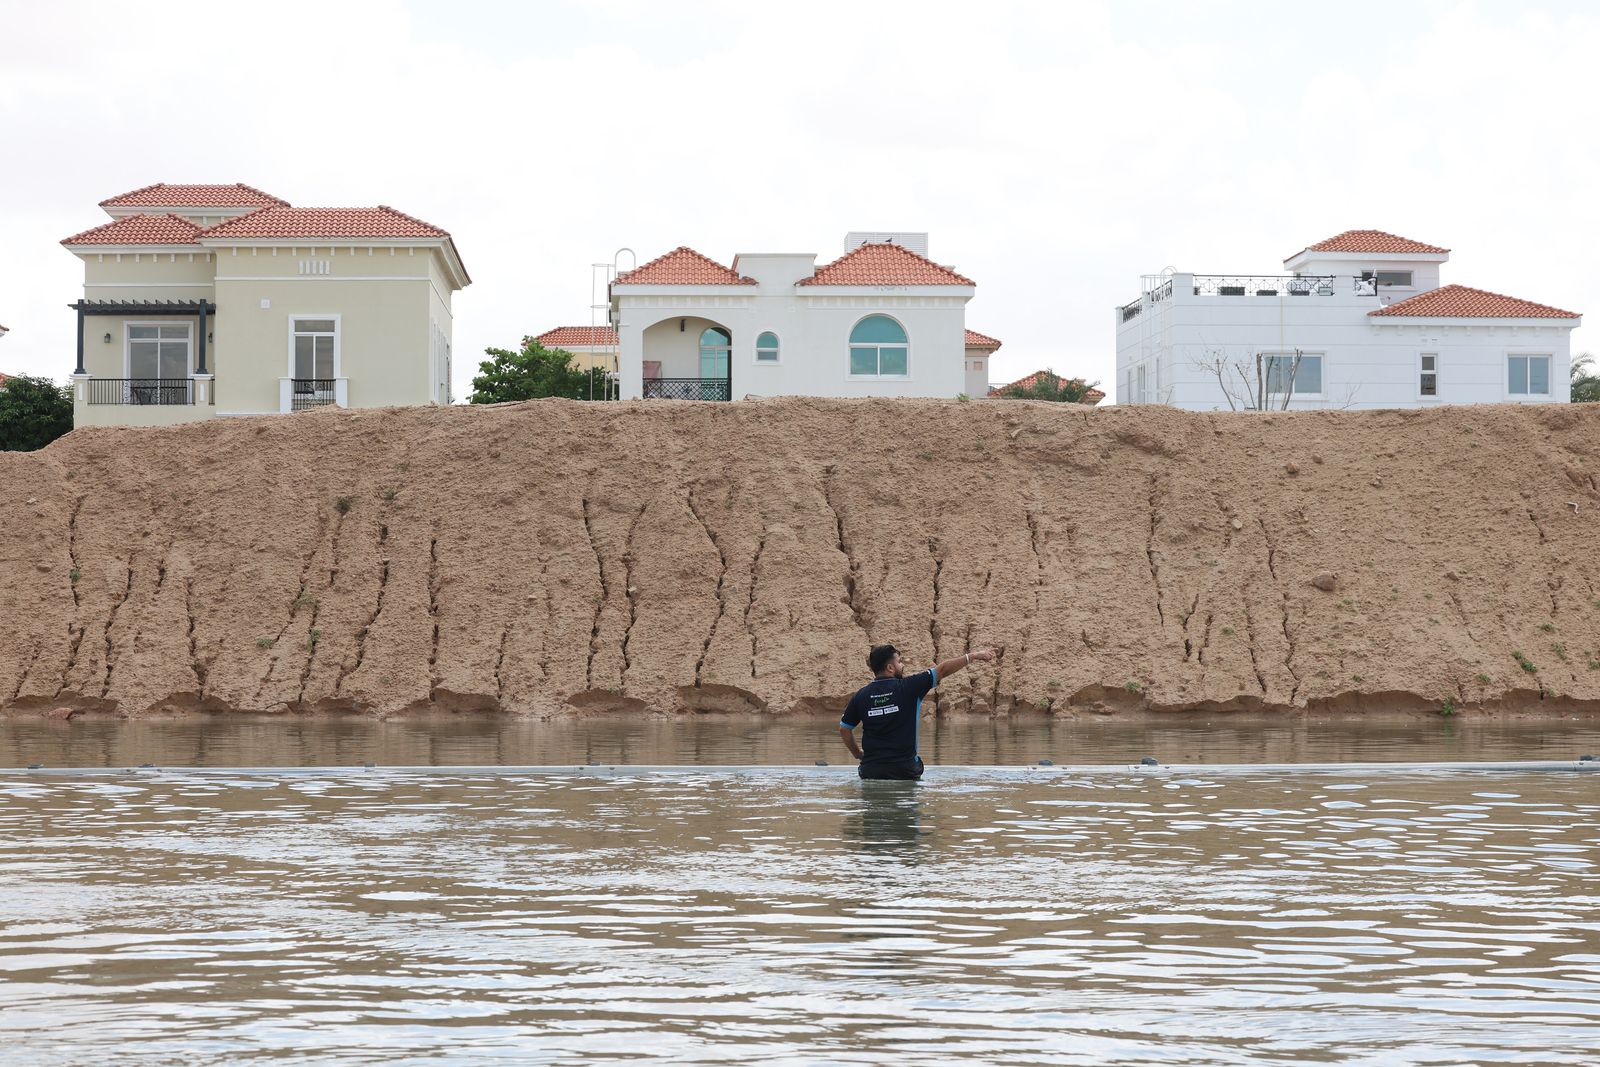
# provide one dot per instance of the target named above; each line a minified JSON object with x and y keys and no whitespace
{"x":1433,"y":620}
{"x":1054,"y":683}
{"x":74,"y":574}
{"x":1048,"y":703}
{"x":343,"y":504}
{"x":266,"y":642}
{"x":1560,"y":650}
{"x":390,"y":493}
{"x":1227,"y":631}
{"x":1133,"y":687}
{"x":1594,"y":665}
{"x":1448,"y":708}
{"x":1483,"y":679}
{"x":926,"y":457}
{"x":313,"y":637}
{"x":304,"y":600}
{"x":1524,"y":662}
{"x":963,"y":398}
{"x":1356,"y":678}
{"x":1548,"y":627}
{"x":71,"y":475}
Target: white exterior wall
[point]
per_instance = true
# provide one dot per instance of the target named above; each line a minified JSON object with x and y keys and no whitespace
{"x":813,"y":325}
{"x":1368,"y":362}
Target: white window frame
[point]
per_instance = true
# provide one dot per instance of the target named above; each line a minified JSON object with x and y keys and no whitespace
{"x":1505,"y":379}
{"x":777,"y":359}
{"x":1438,"y":382}
{"x":910,"y":365}
{"x":1410,"y":283}
{"x":1304,"y":355}
{"x":338,"y":339}
{"x":127,"y":345}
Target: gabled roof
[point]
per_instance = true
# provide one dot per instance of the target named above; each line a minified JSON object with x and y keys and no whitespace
{"x":884,"y":264}
{"x":566,"y":336}
{"x":1374,"y":242}
{"x":1462,"y":302}
{"x":1092,"y":397}
{"x":285,"y":223}
{"x":162,"y":194}
{"x":682,"y":266}
{"x":981,"y":340}
{"x":139,"y":230}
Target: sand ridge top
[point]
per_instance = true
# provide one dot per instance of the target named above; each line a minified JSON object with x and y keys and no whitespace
{"x":558,"y":557}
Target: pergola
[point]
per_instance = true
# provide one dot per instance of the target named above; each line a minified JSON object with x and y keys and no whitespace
{"x":202,"y":308}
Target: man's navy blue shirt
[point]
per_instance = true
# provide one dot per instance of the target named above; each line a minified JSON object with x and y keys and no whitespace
{"x":889,"y":709}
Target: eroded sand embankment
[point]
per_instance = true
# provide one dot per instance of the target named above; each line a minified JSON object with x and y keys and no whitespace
{"x":556,"y":557}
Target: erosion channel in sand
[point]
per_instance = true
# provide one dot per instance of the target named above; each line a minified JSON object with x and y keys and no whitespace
{"x":561,"y":558}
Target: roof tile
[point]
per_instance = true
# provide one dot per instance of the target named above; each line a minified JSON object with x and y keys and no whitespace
{"x":1463,"y":302}
{"x":139,"y":230}
{"x":1376,"y":242}
{"x":1092,"y":397}
{"x":682,"y":266}
{"x":162,"y":194}
{"x":283,"y":223}
{"x":591,"y":336}
{"x":884,"y":264}
{"x":981,"y":340}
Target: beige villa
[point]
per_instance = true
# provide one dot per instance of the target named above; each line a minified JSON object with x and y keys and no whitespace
{"x":207,"y":300}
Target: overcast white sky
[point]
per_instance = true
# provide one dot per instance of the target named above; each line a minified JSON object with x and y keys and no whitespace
{"x":1055,"y":152}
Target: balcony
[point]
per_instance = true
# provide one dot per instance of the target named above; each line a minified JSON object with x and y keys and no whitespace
{"x":305,"y":394}
{"x":688,"y":389}
{"x":159,"y":392}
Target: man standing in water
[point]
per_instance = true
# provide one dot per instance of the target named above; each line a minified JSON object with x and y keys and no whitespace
{"x":889,"y":706}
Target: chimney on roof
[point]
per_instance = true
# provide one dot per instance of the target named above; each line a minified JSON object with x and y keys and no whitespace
{"x":916,"y":242}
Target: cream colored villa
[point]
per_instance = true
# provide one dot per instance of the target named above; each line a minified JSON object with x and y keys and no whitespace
{"x":206,"y":300}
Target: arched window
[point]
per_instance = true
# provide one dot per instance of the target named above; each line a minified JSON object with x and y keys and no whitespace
{"x":715,"y":343}
{"x":767,"y":348}
{"x":878,"y":349}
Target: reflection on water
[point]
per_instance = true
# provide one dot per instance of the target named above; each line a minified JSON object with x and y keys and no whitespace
{"x":800,"y":916}
{"x":265,"y":740}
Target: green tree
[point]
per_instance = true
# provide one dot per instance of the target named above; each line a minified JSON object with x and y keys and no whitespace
{"x":533,"y":372}
{"x":1051,"y":386}
{"x":1585,"y":383}
{"x":33,"y":412}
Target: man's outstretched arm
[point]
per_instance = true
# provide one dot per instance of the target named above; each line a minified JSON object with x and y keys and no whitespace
{"x":955,"y":663}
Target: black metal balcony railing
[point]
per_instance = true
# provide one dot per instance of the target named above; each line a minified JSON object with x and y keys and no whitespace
{"x":1271,"y":285}
{"x":307,"y":393}
{"x":141,"y":391}
{"x":688,"y":389}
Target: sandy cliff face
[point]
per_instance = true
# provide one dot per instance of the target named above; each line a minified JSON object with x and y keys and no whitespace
{"x":555,"y":556}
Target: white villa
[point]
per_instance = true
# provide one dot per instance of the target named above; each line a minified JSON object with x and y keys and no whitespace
{"x":882,"y":320}
{"x":1359,"y":321}
{"x":205,"y":300}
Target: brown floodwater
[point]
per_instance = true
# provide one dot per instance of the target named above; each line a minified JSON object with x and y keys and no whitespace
{"x":794,"y":916}
{"x":230,"y":740}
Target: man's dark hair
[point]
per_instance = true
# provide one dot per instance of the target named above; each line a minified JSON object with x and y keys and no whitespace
{"x":879,"y":657}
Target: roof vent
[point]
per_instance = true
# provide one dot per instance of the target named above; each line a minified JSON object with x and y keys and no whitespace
{"x":916,"y":242}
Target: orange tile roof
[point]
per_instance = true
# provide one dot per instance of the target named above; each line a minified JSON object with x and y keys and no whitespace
{"x":981,"y":340}
{"x":1376,"y":242}
{"x":563,"y":336}
{"x":163,"y":195}
{"x":1093,"y":396}
{"x":884,"y":264}
{"x":284,"y":223}
{"x":1462,"y":302}
{"x":682,"y":266}
{"x":139,"y":230}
